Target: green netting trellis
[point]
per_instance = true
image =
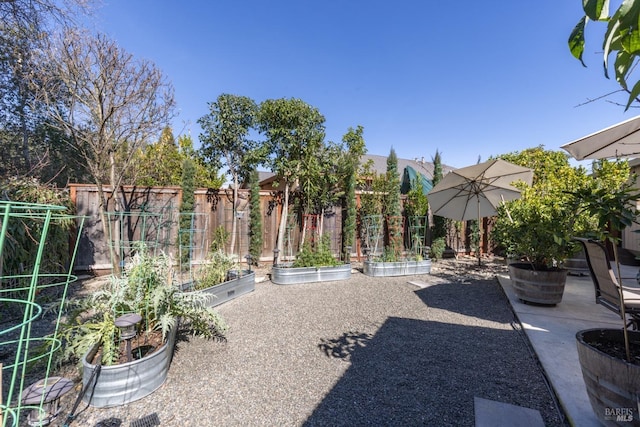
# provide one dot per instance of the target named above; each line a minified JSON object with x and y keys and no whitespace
{"x":33,"y":288}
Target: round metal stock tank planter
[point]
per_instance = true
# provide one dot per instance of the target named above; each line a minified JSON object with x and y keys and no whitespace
{"x":400,"y":268}
{"x":285,"y":275}
{"x":537,"y":286}
{"x":612,"y":383}
{"x":118,"y":385}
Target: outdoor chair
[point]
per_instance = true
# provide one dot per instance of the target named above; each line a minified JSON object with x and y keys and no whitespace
{"x":606,"y":283}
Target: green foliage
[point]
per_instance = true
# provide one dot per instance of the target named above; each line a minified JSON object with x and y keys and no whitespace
{"x":226,"y":134}
{"x":417,"y":203}
{"x":621,"y":39}
{"x":214,"y":271}
{"x":539,"y":226}
{"x":186,"y":211}
{"x":440,"y":224}
{"x":610,"y":199}
{"x":316,"y":254}
{"x":294,"y":131}
{"x":354,"y":142}
{"x":294,"y":136}
{"x":149,"y":289}
{"x":220,"y":239}
{"x":23,"y":235}
{"x":255,"y":219}
{"x":437,"y":248}
{"x":161,"y":163}
{"x":391,"y":199}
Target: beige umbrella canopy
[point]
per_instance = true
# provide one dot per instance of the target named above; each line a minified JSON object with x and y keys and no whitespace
{"x":619,"y":140}
{"x":476,"y":191}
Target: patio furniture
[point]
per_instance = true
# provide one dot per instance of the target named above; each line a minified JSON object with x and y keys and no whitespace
{"x":606,"y":283}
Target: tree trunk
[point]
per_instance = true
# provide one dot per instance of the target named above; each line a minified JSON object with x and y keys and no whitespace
{"x":234,"y":220}
{"x":283,"y":223}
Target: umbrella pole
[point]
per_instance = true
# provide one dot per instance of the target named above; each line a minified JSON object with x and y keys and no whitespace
{"x":479,"y":231}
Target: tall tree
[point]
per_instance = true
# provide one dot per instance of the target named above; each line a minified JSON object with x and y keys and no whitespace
{"x":114,"y":105}
{"x":621,"y":39}
{"x":391,"y":204}
{"x":439,"y":222}
{"x":255,"y":218}
{"x":226,"y":136}
{"x":294,"y":132}
{"x":355,"y":149}
{"x":160,"y":163}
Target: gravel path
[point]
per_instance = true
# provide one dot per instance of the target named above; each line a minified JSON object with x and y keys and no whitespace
{"x":367,"y":351}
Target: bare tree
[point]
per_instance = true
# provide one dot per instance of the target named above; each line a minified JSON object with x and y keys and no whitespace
{"x":25,"y":26}
{"x":112,"y":105}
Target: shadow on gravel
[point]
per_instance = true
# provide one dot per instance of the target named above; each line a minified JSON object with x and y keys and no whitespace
{"x":415,"y":372}
{"x":483,"y":299}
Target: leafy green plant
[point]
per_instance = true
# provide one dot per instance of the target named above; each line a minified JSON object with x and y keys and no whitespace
{"x":437,"y":248}
{"x":148,"y":289}
{"x":22,"y":235}
{"x":220,"y":239}
{"x":214,"y":271}
{"x":316,"y":255}
{"x":538,"y":226}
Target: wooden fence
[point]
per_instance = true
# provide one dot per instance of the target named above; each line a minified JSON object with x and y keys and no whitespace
{"x":152,"y":214}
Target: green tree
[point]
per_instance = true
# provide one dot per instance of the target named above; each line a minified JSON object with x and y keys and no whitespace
{"x":226,"y":136}
{"x":540,"y":224}
{"x":621,"y":40}
{"x":160,"y":163}
{"x":439,"y":223}
{"x":185,"y":235}
{"x":391,"y":204}
{"x":206,"y":175}
{"x":355,"y":149}
{"x":294,"y":132}
{"x":255,"y":218}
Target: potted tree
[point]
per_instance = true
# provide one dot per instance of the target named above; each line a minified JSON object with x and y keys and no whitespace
{"x":609,"y":357}
{"x":537,"y":228}
{"x":124,"y":333}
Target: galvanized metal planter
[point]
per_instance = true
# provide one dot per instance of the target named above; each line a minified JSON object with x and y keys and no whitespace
{"x":239,"y":284}
{"x":398,"y":268}
{"x":286,"y":275}
{"x":118,"y":385}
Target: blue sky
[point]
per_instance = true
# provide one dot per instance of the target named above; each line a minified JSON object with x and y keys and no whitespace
{"x":469,"y":78}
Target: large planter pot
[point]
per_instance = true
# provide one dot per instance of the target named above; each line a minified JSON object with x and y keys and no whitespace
{"x":613,"y":384}
{"x":286,"y":275}
{"x":400,"y":268}
{"x":537,"y":286}
{"x":239,"y":283}
{"x":577,"y":265}
{"x":118,"y":385}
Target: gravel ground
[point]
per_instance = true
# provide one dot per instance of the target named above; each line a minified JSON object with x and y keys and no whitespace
{"x":366,"y":351}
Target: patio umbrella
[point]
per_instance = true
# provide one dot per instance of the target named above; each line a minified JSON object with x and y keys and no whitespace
{"x":619,"y":140}
{"x":475,"y":192}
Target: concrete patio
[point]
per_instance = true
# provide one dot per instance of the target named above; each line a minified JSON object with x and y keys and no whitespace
{"x":552,"y":330}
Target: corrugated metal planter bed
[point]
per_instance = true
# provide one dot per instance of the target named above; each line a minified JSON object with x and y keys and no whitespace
{"x":118,"y":385}
{"x":238,"y":285}
{"x":284,"y":274}
{"x":399,"y":268}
